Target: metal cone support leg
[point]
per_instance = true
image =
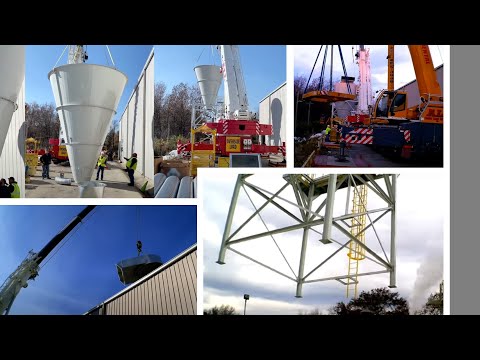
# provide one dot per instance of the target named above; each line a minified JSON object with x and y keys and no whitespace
{"x":87,"y":97}
{"x":209,"y":78}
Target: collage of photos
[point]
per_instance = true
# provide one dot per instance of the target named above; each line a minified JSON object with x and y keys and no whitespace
{"x":321,"y":204}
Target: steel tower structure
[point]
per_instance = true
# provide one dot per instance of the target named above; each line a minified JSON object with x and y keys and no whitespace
{"x":308,"y":192}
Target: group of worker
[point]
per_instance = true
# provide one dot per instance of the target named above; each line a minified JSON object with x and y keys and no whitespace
{"x":131,"y":165}
{"x":10,"y":190}
{"x":337,"y":129}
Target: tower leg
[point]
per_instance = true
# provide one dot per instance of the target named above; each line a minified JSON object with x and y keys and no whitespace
{"x":228,"y":225}
{"x":393,"y":262}
{"x":327,"y":226}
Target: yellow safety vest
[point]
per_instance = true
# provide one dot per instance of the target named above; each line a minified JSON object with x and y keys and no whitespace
{"x":327,"y":130}
{"x":16,"y":191}
{"x":102,"y":161}
{"x":129,"y":164}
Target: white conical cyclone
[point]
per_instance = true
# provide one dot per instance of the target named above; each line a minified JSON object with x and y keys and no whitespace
{"x":12,"y":73}
{"x":87,"y":97}
{"x":209,"y":78}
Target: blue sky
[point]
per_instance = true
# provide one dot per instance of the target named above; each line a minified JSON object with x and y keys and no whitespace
{"x":305,"y":56}
{"x":83,"y":273}
{"x":264,"y":67}
{"x":40,"y":59}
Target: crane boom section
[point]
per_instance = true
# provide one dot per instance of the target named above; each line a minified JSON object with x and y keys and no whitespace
{"x":424,"y":70}
{"x":391,"y":67}
{"x":235,"y":92}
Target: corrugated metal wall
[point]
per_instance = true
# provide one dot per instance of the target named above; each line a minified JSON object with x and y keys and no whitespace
{"x":169,"y":290}
{"x":273,"y":110}
{"x":11,"y":160}
{"x":136,"y":123}
{"x":411,"y":88}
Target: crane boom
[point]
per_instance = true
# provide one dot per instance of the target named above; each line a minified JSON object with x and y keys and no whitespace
{"x":392,"y":105}
{"x":365,"y":82}
{"x":391,"y":67}
{"x":77,"y":54}
{"x":235,"y":91}
{"x":30,"y":266}
{"x":424,"y":70}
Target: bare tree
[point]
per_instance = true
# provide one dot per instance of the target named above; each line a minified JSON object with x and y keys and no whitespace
{"x":159,"y":108}
{"x":173,"y":114}
{"x":42,"y":122}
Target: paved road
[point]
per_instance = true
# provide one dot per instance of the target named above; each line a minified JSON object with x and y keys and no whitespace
{"x":114,"y":177}
{"x":364,"y":156}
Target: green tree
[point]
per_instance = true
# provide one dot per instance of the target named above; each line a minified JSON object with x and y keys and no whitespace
{"x":380,"y":301}
{"x":222,"y":310}
{"x":433,"y":306}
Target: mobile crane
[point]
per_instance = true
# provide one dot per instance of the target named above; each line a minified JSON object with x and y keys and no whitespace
{"x":129,"y":270}
{"x":30,"y":266}
{"x":414,"y":130}
{"x":237,"y":128}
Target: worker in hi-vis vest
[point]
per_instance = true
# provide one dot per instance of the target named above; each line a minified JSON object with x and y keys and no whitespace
{"x":13,"y":187}
{"x":327,"y":132}
{"x":101,"y":164}
{"x":131,"y":166}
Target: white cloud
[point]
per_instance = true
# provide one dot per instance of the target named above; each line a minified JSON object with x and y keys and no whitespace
{"x":404,"y":72}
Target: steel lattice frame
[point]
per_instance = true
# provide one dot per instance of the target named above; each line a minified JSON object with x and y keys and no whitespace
{"x":306,"y":190}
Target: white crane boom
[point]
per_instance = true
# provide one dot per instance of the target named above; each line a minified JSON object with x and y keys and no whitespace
{"x":365,"y":82}
{"x":235,"y":92}
{"x":28,"y":269}
{"x":77,"y":54}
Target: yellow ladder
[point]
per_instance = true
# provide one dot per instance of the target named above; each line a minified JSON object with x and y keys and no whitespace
{"x":356,"y":253}
{"x":202,"y":158}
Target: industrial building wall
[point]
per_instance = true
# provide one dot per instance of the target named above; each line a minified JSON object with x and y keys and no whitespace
{"x":12,"y":158}
{"x":168,"y":290}
{"x":411,"y":88}
{"x":136,"y":123}
{"x":272,"y":110}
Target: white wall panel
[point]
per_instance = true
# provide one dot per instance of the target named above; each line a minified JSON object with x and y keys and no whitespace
{"x":136,"y":124}
{"x":11,"y":159}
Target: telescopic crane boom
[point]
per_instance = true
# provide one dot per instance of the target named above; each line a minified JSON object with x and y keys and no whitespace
{"x":235,"y":91}
{"x":29,"y":268}
{"x":392,"y":106}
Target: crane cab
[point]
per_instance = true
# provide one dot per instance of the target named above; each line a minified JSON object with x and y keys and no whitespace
{"x":390,"y":106}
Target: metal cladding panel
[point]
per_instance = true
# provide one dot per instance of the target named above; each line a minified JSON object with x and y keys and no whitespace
{"x":136,"y":126}
{"x":411,"y":88}
{"x":122,"y":136}
{"x":149,"y":106}
{"x":171,"y":290}
{"x":13,"y":153}
{"x":273,"y":111}
{"x":138,"y":123}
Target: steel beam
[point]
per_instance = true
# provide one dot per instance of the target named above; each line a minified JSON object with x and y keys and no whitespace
{"x":228,"y":225}
{"x":393,"y":260}
{"x":327,"y":226}
{"x":303,"y":251}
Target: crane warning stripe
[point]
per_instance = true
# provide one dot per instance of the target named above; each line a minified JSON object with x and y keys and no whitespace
{"x":353,"y":139}
{"x":362,"y":131}
{"x":406,"y":134}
